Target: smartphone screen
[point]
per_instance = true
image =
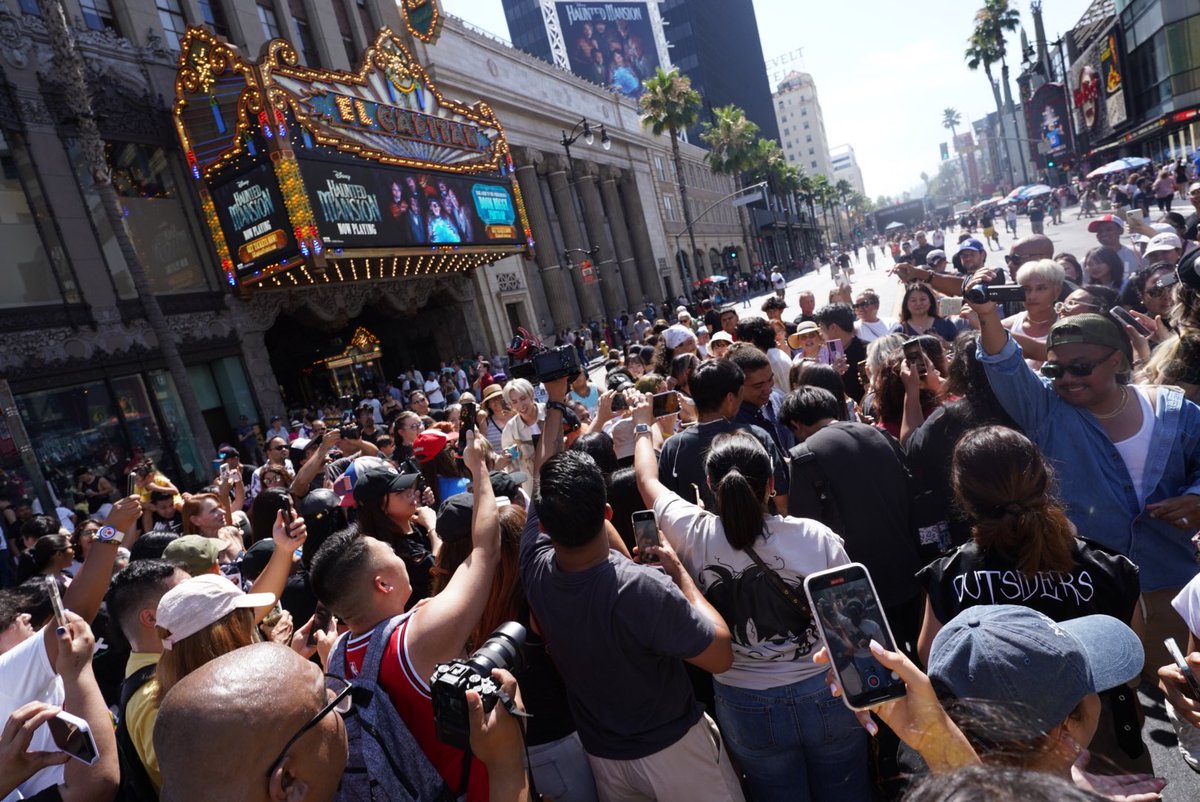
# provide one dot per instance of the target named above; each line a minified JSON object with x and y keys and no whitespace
{"x":914,"y":355}
{"x":665,"y":403}
{"x":834,"y":350}
{"x":645,"y":534}
{"x":1129,"y":320}
{"x":949,"y":306}
{"x":56,"y":603}
{"x":131,"y":485}
{"x":848,"y":613}
{"x":72,"y":735}
{"x":466,"y":422}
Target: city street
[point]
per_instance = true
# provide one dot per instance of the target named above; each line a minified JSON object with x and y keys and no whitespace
{"x":1073,"y":237}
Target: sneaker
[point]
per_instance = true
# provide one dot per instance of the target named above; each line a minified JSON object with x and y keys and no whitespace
{"x":1189,"y":739}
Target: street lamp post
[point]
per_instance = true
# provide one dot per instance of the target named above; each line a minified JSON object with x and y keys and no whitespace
{"x":683,"y":274}
{"x":583,"y":128}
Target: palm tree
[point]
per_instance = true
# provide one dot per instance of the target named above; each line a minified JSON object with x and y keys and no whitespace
{"x":982,"y":53}
{"x":950,"y":120}
{"x":824,"y":195}
{"x":69,"y":64}
{"x":992,"y":23}
{"x":767,"y":163}
{"x":731,"y":138}
{"x":671,"y":105}
{"x":843,"y":189}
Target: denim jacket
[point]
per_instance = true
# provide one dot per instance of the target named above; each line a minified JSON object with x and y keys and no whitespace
{"x":1092,"y":479}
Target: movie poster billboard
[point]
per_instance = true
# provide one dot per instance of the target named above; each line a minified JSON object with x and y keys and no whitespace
{"x":254,"y":219}
{"x":1112,"y":80}
{"x":1049,"y":116}
{"x":611,"y":44}
{"x":360,"y":205}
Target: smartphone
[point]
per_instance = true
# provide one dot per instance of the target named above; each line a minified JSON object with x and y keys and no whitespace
{"x":665,"y":403}
{"x":949,"y":306}
{"x":1135,"y":215}
{"x":645,"y":534}
{"x":131,"y":485}
{"x":1123,"y":316}
{"x":56,"y":603}
{"x":849,"y":616}
{"x":914,"y":355}
{"x":321,"y":618}
{"x":1176,"y":655}
{"x":289,"y":512}
{"x":466,"y":422}
{"x":72,"y":735}
{"x":834,"y":350}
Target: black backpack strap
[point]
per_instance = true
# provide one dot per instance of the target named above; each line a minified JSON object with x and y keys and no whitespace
{"x":136,"y":785}
{"x":806,"y":465}
{"x":132,"y":684}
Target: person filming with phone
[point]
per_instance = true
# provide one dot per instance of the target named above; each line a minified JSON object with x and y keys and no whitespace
{"x":1133,"y":451}
{"x":749,"y":565}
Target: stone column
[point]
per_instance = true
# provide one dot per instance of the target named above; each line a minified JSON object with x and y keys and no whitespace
{"x":609,"y":176}
{"x":547,"y":284}
{"x":593,"y":215}
{"x":555,"y":168}
{"x":652,"y":286}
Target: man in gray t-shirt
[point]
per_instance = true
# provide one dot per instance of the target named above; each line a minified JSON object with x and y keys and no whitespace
{"x":620,"y":633}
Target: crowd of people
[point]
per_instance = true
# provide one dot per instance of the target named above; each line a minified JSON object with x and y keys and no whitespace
{"x":444,"y":594}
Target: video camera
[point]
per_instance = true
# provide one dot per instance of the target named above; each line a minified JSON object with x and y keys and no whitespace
{"x":453,"y":679}
{"x":535,"y":362}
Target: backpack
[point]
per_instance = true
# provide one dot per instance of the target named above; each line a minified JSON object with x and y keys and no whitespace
{"x":136,"y":785}
{"x":385,"y":764}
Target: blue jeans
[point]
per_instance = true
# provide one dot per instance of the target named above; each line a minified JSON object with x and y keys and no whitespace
{"x":795,"y":742}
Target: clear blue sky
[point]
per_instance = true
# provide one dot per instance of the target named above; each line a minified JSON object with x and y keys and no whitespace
{"x":884,"y":70}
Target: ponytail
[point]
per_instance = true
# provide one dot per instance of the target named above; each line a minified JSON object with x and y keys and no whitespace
{"x":1001,"y":480}
{"x":739,"y":471}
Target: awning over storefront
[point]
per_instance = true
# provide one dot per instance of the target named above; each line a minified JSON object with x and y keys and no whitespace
{"x":315,"y":176}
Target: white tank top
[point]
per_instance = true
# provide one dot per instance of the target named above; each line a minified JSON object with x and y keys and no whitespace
{"x":1136,"y":449}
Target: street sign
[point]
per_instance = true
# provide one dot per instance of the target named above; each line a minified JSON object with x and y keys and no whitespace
{"x":749,"y":198}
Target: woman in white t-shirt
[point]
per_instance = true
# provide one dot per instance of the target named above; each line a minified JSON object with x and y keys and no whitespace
{"x":772,"y":704}
{"x":1043,"y":281}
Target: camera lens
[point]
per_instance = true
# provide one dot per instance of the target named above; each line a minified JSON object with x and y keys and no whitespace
{"x":501,"y":650}
{"x":977,"y":294}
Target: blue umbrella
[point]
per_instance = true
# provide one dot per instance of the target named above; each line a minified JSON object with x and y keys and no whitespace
{"x":1034,"y":191}
{"x":1119,"y":166}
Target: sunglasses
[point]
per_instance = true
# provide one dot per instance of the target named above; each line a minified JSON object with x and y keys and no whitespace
{"x":1056,"y":370}
{"x":863,"y":305}
{"x":1016,"y":259}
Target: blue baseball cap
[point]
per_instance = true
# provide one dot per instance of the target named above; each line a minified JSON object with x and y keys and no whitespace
{"x":971,"y":244}
{"x":1020,"y":673}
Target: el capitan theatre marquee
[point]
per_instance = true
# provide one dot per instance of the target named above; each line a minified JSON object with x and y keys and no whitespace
{"x":315,"y":176}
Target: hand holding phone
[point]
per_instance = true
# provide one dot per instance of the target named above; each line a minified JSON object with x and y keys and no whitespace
{"x":320,"y":623}
{"x":1123,"y":316}
{"x":72,"y":735}
{"x":914,"y":355}
{"x":56,"y":603}
{"x":848,"y":614}
{"x":665,"y":404}
{"x":645,"y":535}
{"x":1190,"y":676}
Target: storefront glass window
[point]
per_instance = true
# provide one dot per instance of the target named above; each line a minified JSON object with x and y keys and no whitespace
{"x":193,"y":473}
{"x":26,"y":273}
{"x":70,"y":427}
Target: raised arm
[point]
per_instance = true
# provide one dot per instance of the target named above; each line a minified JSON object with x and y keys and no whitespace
{"x":645,"y":463}
{"x":274,"y":577}
{"x":82,"y":697}
{"x":444,"y":623}
{"x":316,"y":463}
{"x":86,"y":591}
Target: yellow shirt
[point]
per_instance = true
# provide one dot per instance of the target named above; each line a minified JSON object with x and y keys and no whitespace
{"x":140,"y":714}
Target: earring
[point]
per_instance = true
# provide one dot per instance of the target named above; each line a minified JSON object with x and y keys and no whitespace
{"x":772,"y":493}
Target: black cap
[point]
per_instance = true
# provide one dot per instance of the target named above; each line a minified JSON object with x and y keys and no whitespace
{"x":454,"y":518}
{"x":1188,"y":270}
{"x":376,"y":483}
{"x":505,"y":484}
{"x":255,"y":560}
{"x":226,"y":452}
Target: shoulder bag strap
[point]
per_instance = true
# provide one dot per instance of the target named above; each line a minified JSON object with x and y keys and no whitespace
{"x":779,"y":585}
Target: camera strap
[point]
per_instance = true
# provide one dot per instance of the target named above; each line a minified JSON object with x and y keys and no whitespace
{"x":777,"y":582}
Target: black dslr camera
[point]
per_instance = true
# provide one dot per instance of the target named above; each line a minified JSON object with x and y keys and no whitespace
{"x":452,"y":680}
{"x":535,"y":362}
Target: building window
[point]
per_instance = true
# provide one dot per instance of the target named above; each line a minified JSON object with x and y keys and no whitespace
{"x":304,"y":37}
{"x":806,"y":125}
{"x":97,"y":15}
{"x":658,"y":167}
{"x":214,"y":17}
{"x":669,"y":207}
{"x":803,"y":112}
{"x":345,"y":31}
{"x":170,"y":14}
{"x":268,"y":20}
{"x":26,"y":273}
{"x":31,"y":7}
{"x":813,"y":164}
{"x":811,"y":151}
{"x":808,"y":138}
{"x":368,"y":25}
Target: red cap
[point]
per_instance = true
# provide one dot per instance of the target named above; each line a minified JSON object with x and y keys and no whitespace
{"x":429,"y":444}
{"x":1106,"y":218}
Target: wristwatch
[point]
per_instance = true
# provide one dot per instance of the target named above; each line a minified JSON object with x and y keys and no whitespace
{"x":109,"y":534}
{"x":641,"y":428}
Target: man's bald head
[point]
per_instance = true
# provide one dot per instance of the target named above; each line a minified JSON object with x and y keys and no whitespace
{"x":220,"y":727}
{"x":1029,"y":249}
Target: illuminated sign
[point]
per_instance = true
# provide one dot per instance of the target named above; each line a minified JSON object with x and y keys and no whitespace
{"x":423,"y":19}
{"x":297,"y":168}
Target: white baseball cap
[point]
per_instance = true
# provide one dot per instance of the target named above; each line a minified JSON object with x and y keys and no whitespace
{"x":202,"y":601}
{"x":1164,"y":242}
{"x":721,"y":337}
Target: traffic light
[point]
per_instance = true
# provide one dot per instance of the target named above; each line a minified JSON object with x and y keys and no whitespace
{"x":1049,"y":162}
{"x":945,"y":151}
{"x":733,"y":254}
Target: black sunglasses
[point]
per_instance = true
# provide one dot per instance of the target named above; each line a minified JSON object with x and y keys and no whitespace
{"x":1016,"y":259}
{"x":1056,"y":370}
{"x":342,"y":702}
